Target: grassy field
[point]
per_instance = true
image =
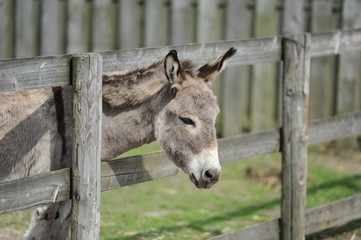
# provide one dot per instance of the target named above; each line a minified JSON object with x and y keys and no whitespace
{"x":248,"y":193}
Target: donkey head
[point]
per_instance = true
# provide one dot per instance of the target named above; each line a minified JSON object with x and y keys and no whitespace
{"x":185,"y":128}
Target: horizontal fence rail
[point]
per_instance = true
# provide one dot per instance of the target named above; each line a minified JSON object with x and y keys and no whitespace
{"x":330,"y":215}
{"x":53,"y":71}
{"x":55,"y":186}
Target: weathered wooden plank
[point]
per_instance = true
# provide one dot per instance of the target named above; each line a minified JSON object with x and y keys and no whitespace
{"x":132,"y":170}
{"x":349,"y":84}
{"x":248,"y":52}
{"x":337,"y":42}
{"x":129,"y":34}
{"x":333,"y":128}
{"x":269,"y":230}
{"x":180,"y":22}
{"x":24,"y":41}
{"x":247,"y":146}
{"x":295,"y":135}
{"x":236,"y":81}
{"x":293,"y":16}
{"x":349,"y":77}
{"x":75,"y":27}
{"x":154,"y":23}
{"x":333,"y":214}
{"x":49,"y":28}
{"x":31,"y":191}
{"x":87,"y":114}
{"x":4,"y":28}
{"x":317,"y":219}
{"x":137,"y":169}
{"x":322,"y":74}
{"x":293,"y":22}
{"x":264,"y":81}
{"x":103,"y":27}
{"x":206,"y":15}
{"x":38,"y":72}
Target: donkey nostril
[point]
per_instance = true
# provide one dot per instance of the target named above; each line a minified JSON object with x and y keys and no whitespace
{"x":209,"y":174}
{"x":212,"y":175}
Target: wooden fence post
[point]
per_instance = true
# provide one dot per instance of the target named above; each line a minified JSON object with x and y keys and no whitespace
{"x":87,"y":113}
{"x":296,"y":77}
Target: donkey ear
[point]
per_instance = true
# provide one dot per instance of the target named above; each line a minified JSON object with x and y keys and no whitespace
{"x":173,"y":69}
{"x":212,"y":69}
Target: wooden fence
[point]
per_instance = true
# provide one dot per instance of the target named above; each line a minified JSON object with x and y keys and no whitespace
{"x":88,"y":177}
{"x":249,"y":96}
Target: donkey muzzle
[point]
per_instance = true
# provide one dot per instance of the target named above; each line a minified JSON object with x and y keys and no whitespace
{"x":205,"y":170}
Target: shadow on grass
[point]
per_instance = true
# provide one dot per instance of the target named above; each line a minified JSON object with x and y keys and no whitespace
{"x":347,"y":182}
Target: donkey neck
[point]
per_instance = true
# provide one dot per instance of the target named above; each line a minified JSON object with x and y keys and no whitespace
{"x":132,"y":100}
{"x":130,"y":127}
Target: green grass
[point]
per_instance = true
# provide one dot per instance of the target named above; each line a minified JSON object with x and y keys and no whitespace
{"x":248,"y":193}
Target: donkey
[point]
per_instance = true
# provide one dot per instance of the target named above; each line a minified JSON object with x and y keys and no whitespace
{"x":169,"y":101}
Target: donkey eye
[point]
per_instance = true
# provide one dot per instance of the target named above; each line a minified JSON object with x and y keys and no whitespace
{"x":187,"y":121}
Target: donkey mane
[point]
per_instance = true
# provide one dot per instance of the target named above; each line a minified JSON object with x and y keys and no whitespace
{"x":130,"y":88}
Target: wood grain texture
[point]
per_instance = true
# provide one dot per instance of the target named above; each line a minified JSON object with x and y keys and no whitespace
{"x":333,"y":214}
{"x":87,"y":114}
{"x":269,"y":230}
{"x":336,"y":42}
{"x":333,"y":128}
{"x":35,"y":190}
{"x":35,"y":72}
{"x":127,"y":171}
{"x":38,"y":72}
{"x":296,"y":77}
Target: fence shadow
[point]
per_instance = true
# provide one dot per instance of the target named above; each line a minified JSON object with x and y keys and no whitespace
{"x":349,"y":227}
{"x":27,"y":134}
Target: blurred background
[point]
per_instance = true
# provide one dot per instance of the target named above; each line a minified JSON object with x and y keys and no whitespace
{"x":249,"y":96}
